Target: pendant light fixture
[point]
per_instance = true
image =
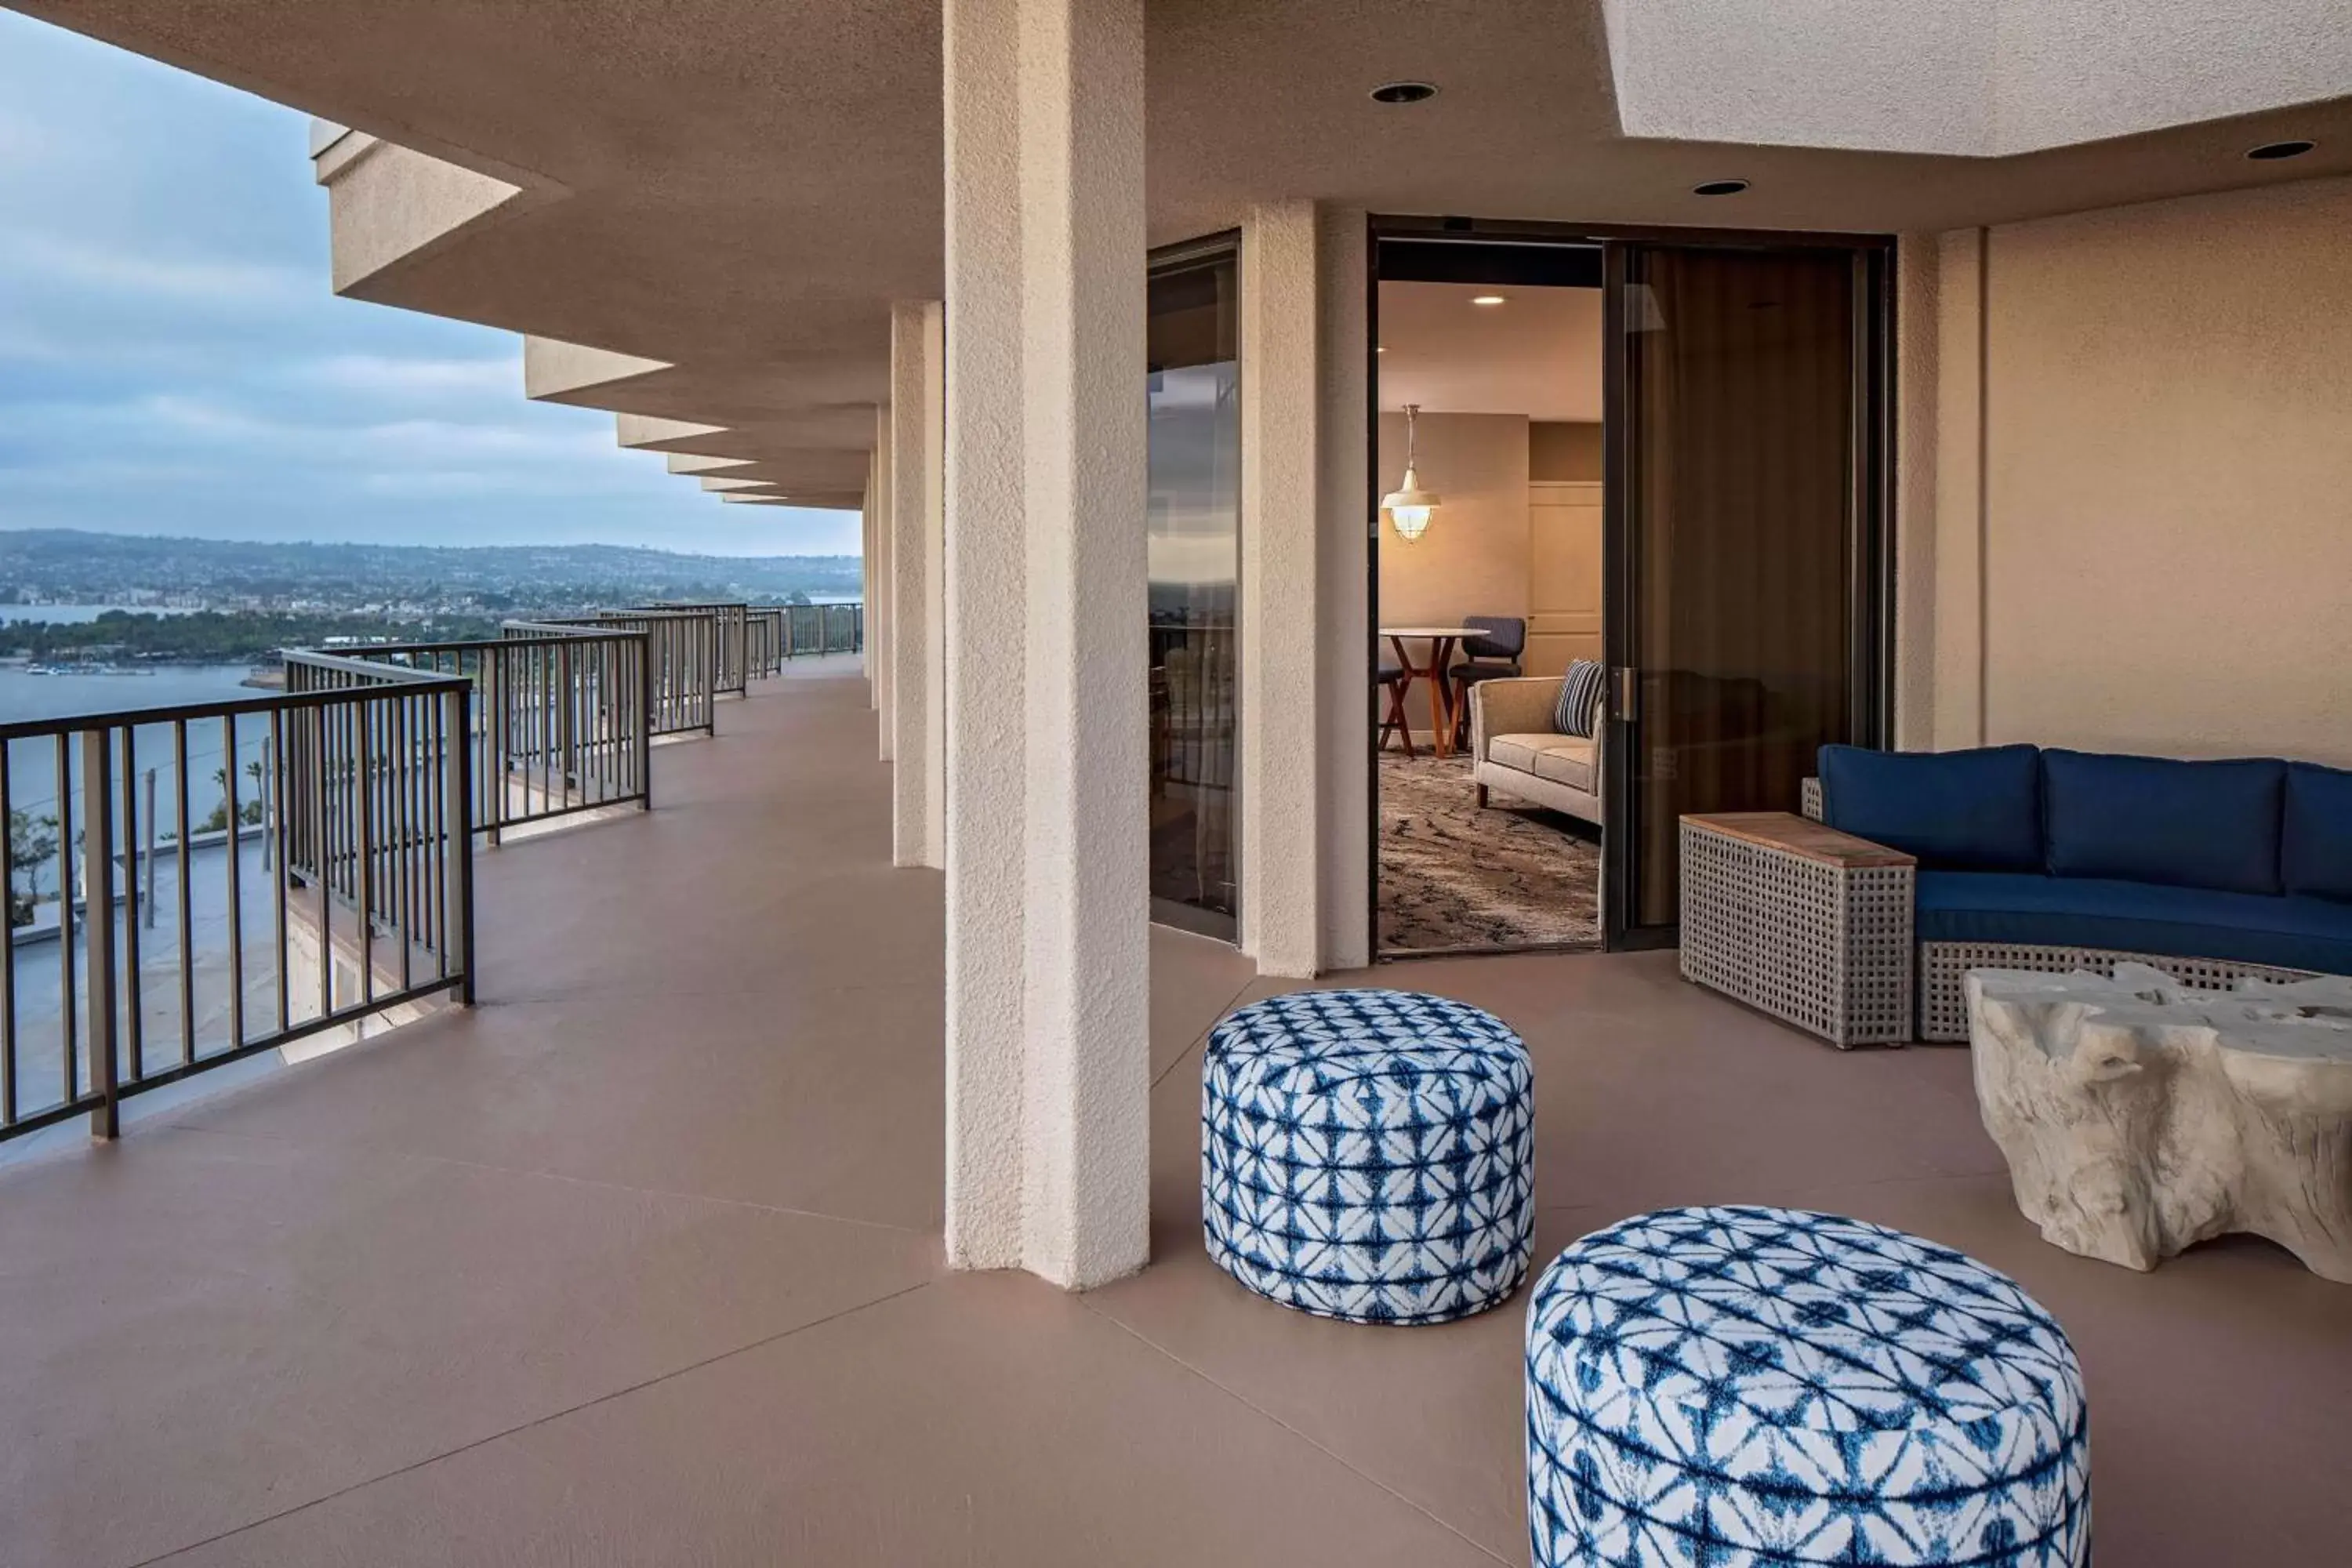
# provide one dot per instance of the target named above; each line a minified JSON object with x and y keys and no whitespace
{"x":1409,"y":506}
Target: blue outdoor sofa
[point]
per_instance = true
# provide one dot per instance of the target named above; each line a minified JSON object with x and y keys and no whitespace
{"x":2047,"y":859}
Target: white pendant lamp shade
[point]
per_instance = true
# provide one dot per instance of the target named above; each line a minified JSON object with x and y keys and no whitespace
{"x":1409,"y":506}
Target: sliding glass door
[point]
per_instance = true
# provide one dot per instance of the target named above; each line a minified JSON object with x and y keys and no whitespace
{"x":1745,"y":467}
{"x":1193,"y":353}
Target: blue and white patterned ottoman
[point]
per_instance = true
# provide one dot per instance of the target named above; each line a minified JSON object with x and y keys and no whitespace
{"x":1743,"y":1387}
{"x":1368,"y":1154}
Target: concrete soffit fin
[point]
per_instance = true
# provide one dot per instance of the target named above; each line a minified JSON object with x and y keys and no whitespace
{"x":392,"y":204}
{"x":699,"y":463}
{"x":558,"y":372}
{"x":652,"y":433}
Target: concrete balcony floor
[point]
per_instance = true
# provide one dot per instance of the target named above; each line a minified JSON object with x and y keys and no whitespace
{"x":639,"y":1262}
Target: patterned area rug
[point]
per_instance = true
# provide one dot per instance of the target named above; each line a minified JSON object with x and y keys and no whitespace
{"x":1454,"y":877}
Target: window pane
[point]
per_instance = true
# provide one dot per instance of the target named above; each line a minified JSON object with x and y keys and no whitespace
{"x":1194,"y":531}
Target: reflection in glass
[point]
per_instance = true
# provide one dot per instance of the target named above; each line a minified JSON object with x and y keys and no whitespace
{"x":1742,"y":525}
{"x":1195,"y":530}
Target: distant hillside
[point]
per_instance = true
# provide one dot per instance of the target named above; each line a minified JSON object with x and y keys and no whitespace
{"x":70,"y":566}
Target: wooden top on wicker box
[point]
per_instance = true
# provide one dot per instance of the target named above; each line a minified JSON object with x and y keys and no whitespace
{"x":1801,"y":836}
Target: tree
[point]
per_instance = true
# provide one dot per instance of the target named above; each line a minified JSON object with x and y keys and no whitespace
{"x":248,"y":811}
{"x":32,"y":842}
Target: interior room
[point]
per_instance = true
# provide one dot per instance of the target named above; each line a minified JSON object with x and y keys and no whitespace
{"x":1489,"y":592}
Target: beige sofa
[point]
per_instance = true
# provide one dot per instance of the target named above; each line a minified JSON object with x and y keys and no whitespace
{"x":1515,"y":750}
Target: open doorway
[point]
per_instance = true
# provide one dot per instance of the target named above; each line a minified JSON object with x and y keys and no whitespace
{"x":1490,"y":601}
{"x":1632,"y":499}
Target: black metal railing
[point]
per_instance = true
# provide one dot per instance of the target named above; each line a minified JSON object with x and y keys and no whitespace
{"x":763,"y":641}
{"x":754,"y":640}
{"x":823,"y":628}
{"x":563,"y":717}
{"x":731,"y":620}
{"x":147,"y":943}
{"x":681,"y":660}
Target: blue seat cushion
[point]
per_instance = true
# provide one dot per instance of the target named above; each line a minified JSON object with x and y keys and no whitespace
{"x":2136,"y":917}
{"x":2155,"y":819}
{"x":1977,"y":810}
{"x":2316,"y":846}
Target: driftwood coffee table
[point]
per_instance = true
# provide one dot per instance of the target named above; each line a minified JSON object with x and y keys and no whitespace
{"x":2140,"y":1116}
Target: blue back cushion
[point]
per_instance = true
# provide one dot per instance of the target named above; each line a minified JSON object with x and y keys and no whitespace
{"x":1978,"y":810}
{"x":2152,"y":819}
{"x":2315,"y":850}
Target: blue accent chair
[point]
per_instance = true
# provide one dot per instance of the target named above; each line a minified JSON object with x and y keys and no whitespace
{"x":1493,"y":654}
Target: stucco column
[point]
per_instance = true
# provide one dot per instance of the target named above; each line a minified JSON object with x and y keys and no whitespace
{"x":1048,"y":982}
{"x":918,"y":632}
{"x":1281,"y":694}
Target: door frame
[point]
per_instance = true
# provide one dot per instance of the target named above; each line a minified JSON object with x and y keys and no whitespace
{"x":1871,"y":517}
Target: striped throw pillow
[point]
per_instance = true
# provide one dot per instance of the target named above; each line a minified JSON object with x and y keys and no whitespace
{"x":1580,"y":698}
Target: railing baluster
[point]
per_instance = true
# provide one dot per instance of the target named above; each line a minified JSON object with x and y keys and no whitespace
{"x":323,"y":870}
{"x":69,"y":1001}
{"x":458,"y":839}
{"x":281,"y":833}
{"x":363,"y":842}
{"x":186,"y":901}
{"x":8,"y":941}
{"x":405,"y":836}
{"x":134,"y":1040}
{"x":236,"y":875}
{"x":97,"y":883}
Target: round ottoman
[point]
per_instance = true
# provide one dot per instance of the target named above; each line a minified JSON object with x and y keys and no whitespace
{"x":1747,"y":1386}
{"x":1368,"y":1154}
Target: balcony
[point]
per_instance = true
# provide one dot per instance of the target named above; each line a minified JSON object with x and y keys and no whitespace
{"x":637,"y":1260}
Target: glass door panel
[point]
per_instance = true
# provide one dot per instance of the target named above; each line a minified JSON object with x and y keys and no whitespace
{"x":1743,"y":455}
{"x":1193,"y":353}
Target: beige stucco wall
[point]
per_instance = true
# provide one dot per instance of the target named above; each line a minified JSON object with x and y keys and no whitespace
{"x":2142,"y":536}
{"x":1472,"y":561}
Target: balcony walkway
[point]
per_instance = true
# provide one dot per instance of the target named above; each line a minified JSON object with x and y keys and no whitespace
{"x":637,"y":1263}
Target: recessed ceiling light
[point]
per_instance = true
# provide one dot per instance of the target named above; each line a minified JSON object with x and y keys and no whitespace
{"x":1404,"y":92}
{"x":1720,"y":188}
{"x":1485,"y":299}
{"x":1383,"y":349}
{"x":2269,"y":151}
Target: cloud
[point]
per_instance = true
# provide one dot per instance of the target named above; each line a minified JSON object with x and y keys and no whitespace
{"x":392,"y":376}
{"x":37,"y":258}
{"x":173,"y":361}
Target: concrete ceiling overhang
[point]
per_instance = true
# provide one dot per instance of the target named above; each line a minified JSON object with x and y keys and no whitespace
{"x":1968,"y":77}
{"x":732,"y":194}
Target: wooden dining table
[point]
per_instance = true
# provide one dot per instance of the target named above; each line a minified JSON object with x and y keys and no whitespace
{"x":1442,"y":642}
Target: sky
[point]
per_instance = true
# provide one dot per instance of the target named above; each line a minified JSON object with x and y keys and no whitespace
{"x":172,"y":361}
